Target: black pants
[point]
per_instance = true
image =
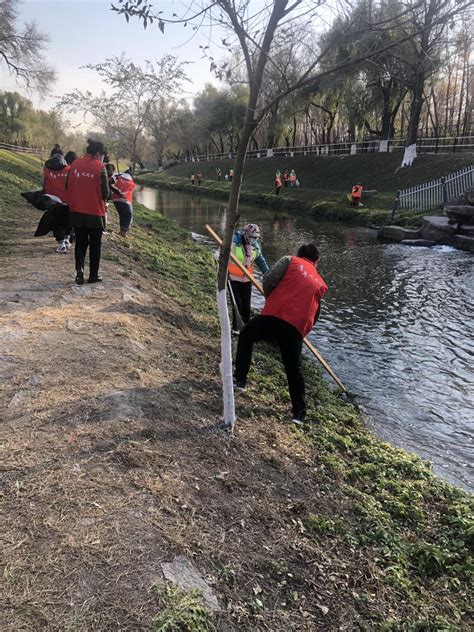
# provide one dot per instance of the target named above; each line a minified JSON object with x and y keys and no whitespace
{"x":289,"y":340}
{"x":243,"y":296}
{"x":91,"y":237}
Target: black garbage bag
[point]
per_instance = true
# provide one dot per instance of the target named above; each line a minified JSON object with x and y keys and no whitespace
{"x":41,"y":201}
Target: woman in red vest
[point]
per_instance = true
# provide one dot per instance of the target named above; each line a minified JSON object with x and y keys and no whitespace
{"x":293,"y":292}
{"x":55,"y":174}
{"x":88,"y":191}
{"x":122,"y":196}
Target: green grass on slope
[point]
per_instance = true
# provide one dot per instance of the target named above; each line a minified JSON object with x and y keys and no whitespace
{"x":325,"y":182}
{"x":18,"y":172}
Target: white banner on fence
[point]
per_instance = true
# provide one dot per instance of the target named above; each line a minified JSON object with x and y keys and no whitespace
{"x":383,"y":146}
{"x":269,"y":153}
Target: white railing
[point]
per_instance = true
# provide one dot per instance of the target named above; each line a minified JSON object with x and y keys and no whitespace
{"x":423,"y":145}
{"x":36,"y":151}
{"x":435,"y":193}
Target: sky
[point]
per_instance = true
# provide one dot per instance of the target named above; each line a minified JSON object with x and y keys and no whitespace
{"x":87,"y":31}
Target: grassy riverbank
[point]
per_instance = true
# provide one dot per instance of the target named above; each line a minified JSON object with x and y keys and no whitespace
{"x":325,"y":183}
{"x":324,"y":528}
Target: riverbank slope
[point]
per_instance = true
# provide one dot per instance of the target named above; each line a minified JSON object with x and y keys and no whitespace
{"x":111,"y":465}
{"x":325,"y":183}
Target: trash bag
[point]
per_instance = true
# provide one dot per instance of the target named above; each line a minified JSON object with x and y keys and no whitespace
{"x":55,"y":218}
{"x":41,"y":201}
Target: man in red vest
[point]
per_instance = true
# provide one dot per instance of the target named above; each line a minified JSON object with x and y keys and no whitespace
{"x":293,"y":291}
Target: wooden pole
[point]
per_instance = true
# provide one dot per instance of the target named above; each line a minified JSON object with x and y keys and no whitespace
{"x":250,"y":276}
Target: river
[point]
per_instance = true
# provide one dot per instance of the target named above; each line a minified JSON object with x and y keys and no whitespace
{"x":396,"y":324}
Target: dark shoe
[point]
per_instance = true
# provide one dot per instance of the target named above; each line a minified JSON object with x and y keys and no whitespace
{"x":240,"y":385}
{"x":80,"y":278}
{"x":97,"y":279}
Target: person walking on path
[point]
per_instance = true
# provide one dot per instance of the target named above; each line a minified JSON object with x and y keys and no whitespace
{"x":246,"y":247}
{"x":88,"y":192}
{"x":55,"y":174}
{"x":219,"y":174}
{"x":277,"y":183}
{"x":286,"y":178}
{"x":231,"y":174}
{"x":199,"y":178}
{"x":122,"y":197}
{"x":293,"y":291}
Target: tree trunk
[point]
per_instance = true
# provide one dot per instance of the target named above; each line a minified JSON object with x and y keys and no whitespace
{"x":415,"y":114}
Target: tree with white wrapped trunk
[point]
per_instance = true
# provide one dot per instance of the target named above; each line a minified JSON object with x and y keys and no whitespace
{"x":253,"y":27}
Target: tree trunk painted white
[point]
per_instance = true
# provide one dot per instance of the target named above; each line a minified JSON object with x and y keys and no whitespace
{"x":226,"y":360}
{"x":383,"y":146}
{"x":409,"y":155}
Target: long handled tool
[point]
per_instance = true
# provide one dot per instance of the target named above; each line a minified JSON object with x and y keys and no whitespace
{"x":250,"y":276}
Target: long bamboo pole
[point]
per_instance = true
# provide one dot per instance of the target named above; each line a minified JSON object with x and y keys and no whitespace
{"x":250,"y":276}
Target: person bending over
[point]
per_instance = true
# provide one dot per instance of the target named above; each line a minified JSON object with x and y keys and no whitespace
{"x":293,"y":291}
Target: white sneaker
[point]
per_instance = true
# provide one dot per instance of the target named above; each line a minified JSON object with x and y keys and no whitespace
{"x":62,"y":247}
{"x":235,"y":332}
{"x":68,"y":243}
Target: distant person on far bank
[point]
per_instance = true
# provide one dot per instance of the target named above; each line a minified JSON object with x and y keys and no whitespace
{"x":192,"y":177}
{"x":293,"y":179}
{"x":219,"y":174}
{"x":122,"y":197}
{"x":199,"y":178}
{"x":277,"y":183}
{"x":88,"y":192}
{"x":293,"y":291}
{"x":231,"y":174}
{"x":356,"y":195}
{"x":246,"y":247}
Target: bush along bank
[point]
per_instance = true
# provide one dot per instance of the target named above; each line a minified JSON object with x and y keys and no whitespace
{"x":398,"y":539}
{"x":331,"y":206}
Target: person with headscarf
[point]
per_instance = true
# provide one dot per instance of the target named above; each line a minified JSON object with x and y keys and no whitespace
{"x":55,"y":174}
{"x":246,"y":247}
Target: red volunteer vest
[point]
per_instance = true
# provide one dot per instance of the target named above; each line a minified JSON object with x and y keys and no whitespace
{"x":55,"y":183}
{"x":125,"y":184}
{"x":296,"y":298}
{"x":84,"y":186}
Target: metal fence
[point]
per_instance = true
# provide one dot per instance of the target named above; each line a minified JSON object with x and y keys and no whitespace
{"x":435,"y":193}
{"x":35,"y":151}
{"x":424,"y":145}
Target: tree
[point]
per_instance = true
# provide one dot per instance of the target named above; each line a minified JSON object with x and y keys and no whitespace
{"x":123,"y":111}
{"x":253,"y":28}
{"x":21,"y":50}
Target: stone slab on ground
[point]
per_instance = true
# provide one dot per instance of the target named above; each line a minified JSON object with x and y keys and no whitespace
{"x":466,"y":229}
{"x":183,"y":574}
{"x":461,"y":213}
{"x":397,"y":233}
{"x":426,"y":243}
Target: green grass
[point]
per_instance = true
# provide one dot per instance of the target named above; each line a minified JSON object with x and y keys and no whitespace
{"x":18,"y":172}
{"x":325,"y":182}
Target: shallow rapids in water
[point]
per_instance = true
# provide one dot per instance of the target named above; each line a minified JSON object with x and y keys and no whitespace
{"x":396,"y":325}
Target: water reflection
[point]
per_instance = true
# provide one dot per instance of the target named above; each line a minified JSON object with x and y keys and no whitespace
{"x":396,"y":324}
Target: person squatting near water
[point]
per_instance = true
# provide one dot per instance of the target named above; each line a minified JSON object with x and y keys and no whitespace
{"x":88,"y":191}
{"x":122,"y":186}
{"x":246,"y":247}
{"x":293,"y":291}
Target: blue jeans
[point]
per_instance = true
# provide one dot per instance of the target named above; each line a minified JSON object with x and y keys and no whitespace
{"x":124,"y":209}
